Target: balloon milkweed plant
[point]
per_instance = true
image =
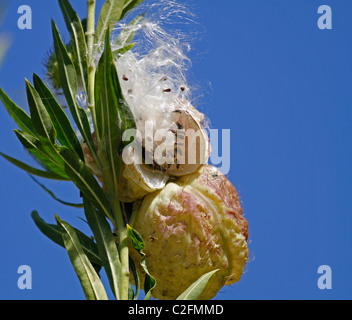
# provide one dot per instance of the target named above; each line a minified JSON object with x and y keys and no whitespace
{"x":163,"y":220}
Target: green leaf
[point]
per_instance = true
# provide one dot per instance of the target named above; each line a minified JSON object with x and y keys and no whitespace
{"x":85,"y":181}
{"x":90,"y":281}
{"x":39,"y":149}
{"x":130,"y":292}
{"x":53,"y":232}
{"x":135,"y":278}
{"x":110,"y":14}
{"x":56,"y":198}
{"x":107,"y":105}
{"x":43,"y":125}
{"x":136,"y":238}
{"x":106,"y":245}
{"x":33,"y":171}
{"x":129,"y":5}
{"x":65,"y":133}
{"x":40,"y":117}
{"x":68,"y":80}
{"x":22,"y":119}
{"x":125,"y":113}
{"x":138,"y":244}
{"x":120,"y":52}
{"x":197,"y":288}
{"x":78,"y":39}
{"x":127,"y":35}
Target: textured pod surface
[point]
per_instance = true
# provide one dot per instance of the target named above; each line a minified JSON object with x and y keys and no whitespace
{"x":192,"y":227}
{"x":192,"y":148}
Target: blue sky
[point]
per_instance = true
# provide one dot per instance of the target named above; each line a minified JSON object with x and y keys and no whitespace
{"x":282,"y":86}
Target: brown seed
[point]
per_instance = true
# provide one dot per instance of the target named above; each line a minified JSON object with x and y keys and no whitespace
{"x":124,"y":78}
{"x":179,"y":125}
{"x":167,"y":90}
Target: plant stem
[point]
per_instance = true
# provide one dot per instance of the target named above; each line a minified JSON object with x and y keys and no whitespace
{"x":120,"y":227}
{"x":123,"y":250}
{"x":90,"y":44}
{"x":119,"y":222}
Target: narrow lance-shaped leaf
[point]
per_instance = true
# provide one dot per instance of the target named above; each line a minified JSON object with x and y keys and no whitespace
{"x":68,"y":80}
{"x":135,"y":278}
{"x":138,"y":244}
{"x":120,"y":52}
{"x":53,"y":232}
{"x":22,"y":119}
{"x":92,"y":286}
{"x":110,"y":14}
{"x":78,"y":39}
{"x":74,"y":205}
{"x":37,"y":149}
{"x":43,"y":125}
{"x":32,"y":170}
{"x":40,"y":117}
{"x":129,"y":5}
{"x":107,"y":107}
{"x":65,"y":133}
{"x":85,"y":181}
{"x":125,"y":114}
{"x":197,"y":288}
{"x":106,"y":246}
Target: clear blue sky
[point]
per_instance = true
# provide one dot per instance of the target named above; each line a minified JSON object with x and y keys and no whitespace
{"x":282,"y":86}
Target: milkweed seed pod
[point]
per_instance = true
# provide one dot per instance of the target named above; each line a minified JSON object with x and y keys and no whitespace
{"x":191,"y":227}
{"x":171,"y":134}
{"x":171,"y":139}
{"x":136,"y":180}
{"x":184,"y":153}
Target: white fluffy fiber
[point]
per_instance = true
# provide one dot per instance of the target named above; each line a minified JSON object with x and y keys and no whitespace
{"x":153,"y":73}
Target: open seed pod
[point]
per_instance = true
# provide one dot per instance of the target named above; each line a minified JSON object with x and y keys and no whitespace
{"x":172,"y":132}
{"x":137,"y":180}
{"x":178,"y":143}
{"x":191,"y":149}
{"x":176,"y":151}
{"x":192,"y":227}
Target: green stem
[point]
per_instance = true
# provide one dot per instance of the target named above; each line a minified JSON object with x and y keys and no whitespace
{"x":90,"y":44}
{"x":112,"y":188}
{"x":120,"y":227}
{"x":123,"y":251}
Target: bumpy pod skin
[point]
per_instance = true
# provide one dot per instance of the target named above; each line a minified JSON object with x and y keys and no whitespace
{"x":192,"y":227}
